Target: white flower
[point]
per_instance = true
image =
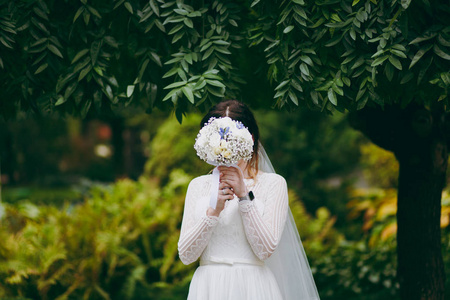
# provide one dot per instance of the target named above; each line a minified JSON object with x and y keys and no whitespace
{"x":226,"y":154}
{"x":223,"y":144}
{"x":214,"y":139}
{"x":223,"y":141}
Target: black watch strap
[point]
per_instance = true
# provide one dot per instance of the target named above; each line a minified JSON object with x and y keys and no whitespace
{"x":249,"y":196}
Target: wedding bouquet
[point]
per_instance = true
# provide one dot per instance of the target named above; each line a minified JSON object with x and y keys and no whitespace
{"x":223,"y":141}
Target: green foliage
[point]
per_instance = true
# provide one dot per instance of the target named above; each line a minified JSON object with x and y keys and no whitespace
{"x":121,"y":239}
{"x":317,"y":154}
{"x":345,"y":269}
{"x":173,"y":147}
{"x":91,"y":57}
{"x":376,"y":158}
{"x":342,"y":54}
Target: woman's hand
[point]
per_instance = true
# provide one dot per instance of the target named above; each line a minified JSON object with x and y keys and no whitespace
{"x":225,"y":194}
{"x":234,"y":178}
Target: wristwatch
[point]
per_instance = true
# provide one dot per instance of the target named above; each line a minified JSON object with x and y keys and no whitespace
{"x":249,"y":196}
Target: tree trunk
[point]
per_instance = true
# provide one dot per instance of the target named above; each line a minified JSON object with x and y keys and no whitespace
{"x":418,"y":138}
{"x":420,"y":266}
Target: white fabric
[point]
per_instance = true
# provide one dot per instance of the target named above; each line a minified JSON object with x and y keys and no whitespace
{"x":247,"y":252}
{"x":232,"y":247}
{"x":289,"y":263}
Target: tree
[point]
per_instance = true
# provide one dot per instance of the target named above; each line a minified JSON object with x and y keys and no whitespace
{"x":386,"y":61}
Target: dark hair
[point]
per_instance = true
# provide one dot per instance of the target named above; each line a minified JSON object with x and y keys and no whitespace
{"x":238,"y":111}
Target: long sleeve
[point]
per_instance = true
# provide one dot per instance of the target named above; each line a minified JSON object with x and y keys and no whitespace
{"x":195,"y":232}
{"x":263,"y":231}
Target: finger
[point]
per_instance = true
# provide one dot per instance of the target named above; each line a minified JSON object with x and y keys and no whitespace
{"x":230,"y":171}
{"x":228,"y":177}
{"x":225,"y":191}
{"x":224,"y":185}
{"x":225,"y":168}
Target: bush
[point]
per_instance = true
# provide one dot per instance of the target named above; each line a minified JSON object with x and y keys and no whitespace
{"x":122,"y":239}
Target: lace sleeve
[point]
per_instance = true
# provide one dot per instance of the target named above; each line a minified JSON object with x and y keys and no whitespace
{"x":264,"y":231}
{"x":195,"y":232}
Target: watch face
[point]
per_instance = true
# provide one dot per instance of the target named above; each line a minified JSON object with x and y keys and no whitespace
{"x":250,"y":194}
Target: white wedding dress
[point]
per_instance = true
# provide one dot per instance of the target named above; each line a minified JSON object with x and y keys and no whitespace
{"x":233,"y":247}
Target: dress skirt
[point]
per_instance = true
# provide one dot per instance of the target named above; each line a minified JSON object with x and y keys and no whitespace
{"x":233,"y":282}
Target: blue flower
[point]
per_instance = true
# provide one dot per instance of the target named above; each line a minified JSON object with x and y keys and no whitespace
{"x":239,"y":125}
{"x":223,"y":132}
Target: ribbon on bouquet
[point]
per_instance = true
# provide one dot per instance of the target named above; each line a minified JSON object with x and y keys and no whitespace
{"x":215,"y":180}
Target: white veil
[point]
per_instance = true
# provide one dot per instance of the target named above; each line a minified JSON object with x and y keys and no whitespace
{"x":289,"y":263}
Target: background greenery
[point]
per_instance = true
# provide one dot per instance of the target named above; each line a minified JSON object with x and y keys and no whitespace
{"x":83,"y":238}
{"x":386,"y":61}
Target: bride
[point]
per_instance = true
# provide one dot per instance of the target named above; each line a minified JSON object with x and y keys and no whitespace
{"x":248,"y":246}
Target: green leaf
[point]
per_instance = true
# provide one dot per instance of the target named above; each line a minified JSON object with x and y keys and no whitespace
{"x":188,"y":22}
{"x":358,"y":62}
{"x":177,"y":37}
{"x":423,"y":38}
{"x":419,"y":55}
{"x":346,"y":81}
{"x":175,"y":84}
{"x":218,"y":92}
{"x":215,"y":83}
{"x":337,"y":90}
{"x":395,"y":62}
{"x":154,"y":7}
{"x":254,"y":3}
{"x":353,"y":34}
{"x":389,"y":70}
{"x":85,"y":108}
{"x":405,"y":3}
{"x":307,"y":60}
{"x":78,"y":13}
{"x":443,"y":41}
{"x":282,"y":84}
{"x":314,"y":97}
{"x":188,"y":93}
{"x":379,"y":60}
{"x":40,"y":13}
{"x":304,"y":69}
{"x":95,"y":50}
{"x":296,"y":85}
{"x":293,"y":98}
{"x":171,"y":72}
{"x":334,"y":41}
{"x":129,"y":7}
{"x":93,"y":11}
{"x":398,"y":53}
{"x":288,"y":29}
{"x":130,"y":90}
{"x":79,"y":55}
{"x":441,"y":53}
{"x":233,"y":22}
{"x":407,"y":77}
{"x":84,"y":72}
{"x":200,"y":84}
{"x":55,"y":50}
{"x":360,"y":94}
{"x":170,"y":94}
{"x":176,"y":28}
{"x":221,"y":43}
{"x":38,"y":42}
{"x":70,"y":89}
{"x":61,"y":100}
{"x":399,"y":47}
{"x":41,"y":68}
{"x":332,"y":97}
